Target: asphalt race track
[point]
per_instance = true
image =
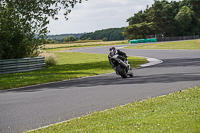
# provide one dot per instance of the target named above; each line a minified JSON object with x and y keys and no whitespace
{"x":28,"y":108}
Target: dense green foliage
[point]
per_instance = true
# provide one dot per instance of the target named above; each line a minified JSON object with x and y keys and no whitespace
{"x":63,"y":36}
{"x":69,"y":39}
{"x":111,"y":34}
{"x":23,"y":24}
{"x":169,"y":18}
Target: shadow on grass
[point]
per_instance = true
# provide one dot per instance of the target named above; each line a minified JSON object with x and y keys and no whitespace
{"x":56,"y":73}
{"x":67,"y":69}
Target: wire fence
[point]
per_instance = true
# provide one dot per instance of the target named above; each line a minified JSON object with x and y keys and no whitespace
{"x":177,"y":38}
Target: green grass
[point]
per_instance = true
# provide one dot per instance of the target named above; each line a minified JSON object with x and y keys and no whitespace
{"x":173,"y":113}
{"x":184,"y":45}
{"x":83,"y":44}
{"x":70,"y":65}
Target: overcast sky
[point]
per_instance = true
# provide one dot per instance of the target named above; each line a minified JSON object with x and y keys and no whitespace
{"x":93,"y":15}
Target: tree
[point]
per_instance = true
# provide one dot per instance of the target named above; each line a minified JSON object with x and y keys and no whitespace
{"x":171,"y":18}
{"x":69,"y":39}
{"x":111,"y":34}
{"x":169,"y":12}
{"x":158,"y":16}
{"x":139,"y":31}
{"x":23,"y":24}
{"x":137,"y":18}
{"x":194,"y":5}
{"x":105,"y":39}
{"x":184,"y":17}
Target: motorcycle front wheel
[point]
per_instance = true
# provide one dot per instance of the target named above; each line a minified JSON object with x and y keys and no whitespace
{"x":121,"y":71}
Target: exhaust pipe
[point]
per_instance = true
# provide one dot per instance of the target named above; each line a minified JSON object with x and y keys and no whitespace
{"x":123,"y":64}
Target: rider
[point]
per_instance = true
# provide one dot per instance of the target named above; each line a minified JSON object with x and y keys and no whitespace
{"x":122,"y":56}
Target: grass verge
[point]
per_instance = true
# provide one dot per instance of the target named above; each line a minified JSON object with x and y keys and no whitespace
{"x":184,"y":45}
{"x":70,"y":65}
{"x":84,"y":44}
{"x":177,"y":112}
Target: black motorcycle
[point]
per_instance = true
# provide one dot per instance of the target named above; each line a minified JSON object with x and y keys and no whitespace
{"x":121,"y":67}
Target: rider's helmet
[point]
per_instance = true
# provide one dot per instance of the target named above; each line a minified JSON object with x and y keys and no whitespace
{"x":113,"y":51}
{"x":112,"y":48}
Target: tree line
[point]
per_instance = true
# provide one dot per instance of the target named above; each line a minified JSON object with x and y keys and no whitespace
{"x":62,"y":36}
{"x":70,"y":38}
{"x":52,"y":39}
{"x":167,"y":18}
{"x":111,"y":34}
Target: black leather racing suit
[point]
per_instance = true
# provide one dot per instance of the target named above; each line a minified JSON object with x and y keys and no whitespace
{"x":121,"y":54}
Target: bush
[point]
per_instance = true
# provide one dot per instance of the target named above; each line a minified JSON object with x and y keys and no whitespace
{"x":105,"y":39}
{"x":50,"y":61}
{"x":198,"y":41}
{"x":69,"y":39}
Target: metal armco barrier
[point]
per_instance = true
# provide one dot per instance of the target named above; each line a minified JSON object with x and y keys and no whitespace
{"x":177,"y":38}
{"x":21,"y":65}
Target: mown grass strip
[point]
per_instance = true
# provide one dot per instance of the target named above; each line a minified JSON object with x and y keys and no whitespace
{"x":177,"y":112}
{"x":84,"y":44}
{"x":182,"y":45}
{"x":70,"y":65}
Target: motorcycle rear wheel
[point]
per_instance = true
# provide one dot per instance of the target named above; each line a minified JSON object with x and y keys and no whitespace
{"x":121,"y":71}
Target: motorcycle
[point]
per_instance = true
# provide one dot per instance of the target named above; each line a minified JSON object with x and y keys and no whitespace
{"x":121,"y":67}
